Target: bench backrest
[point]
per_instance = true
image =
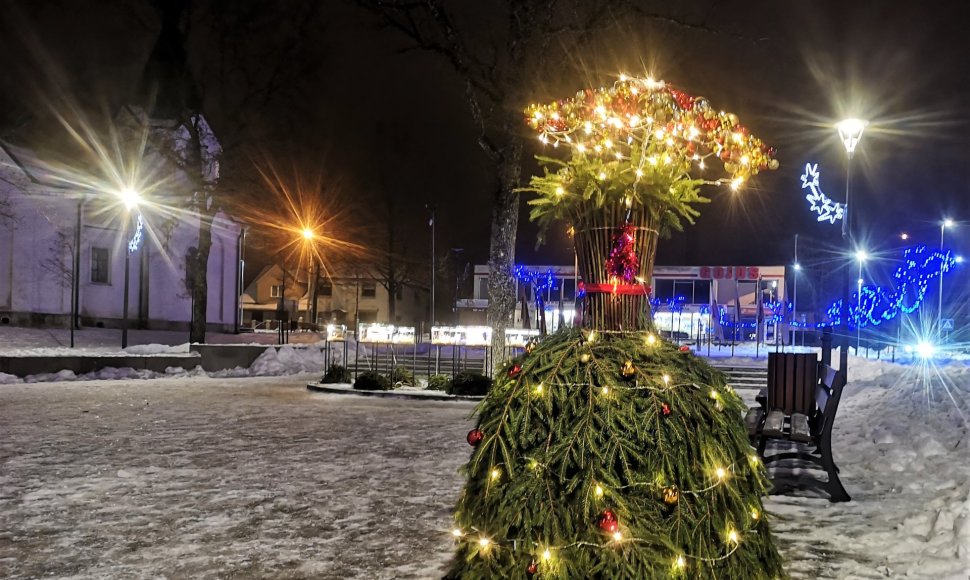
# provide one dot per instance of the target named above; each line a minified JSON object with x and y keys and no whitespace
{"x":792,"y":380}
{"x":828,"y":393}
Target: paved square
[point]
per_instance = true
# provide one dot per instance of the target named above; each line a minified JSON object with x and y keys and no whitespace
{"x":218,"y":478}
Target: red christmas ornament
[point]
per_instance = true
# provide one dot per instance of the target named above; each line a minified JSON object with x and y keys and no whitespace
{"x":684,"y":101}
{"x":623,"y":262}
{"x":475,"y":437}
{"x":515,"y":370}
{"x":533,"y":568}
{"x":684,"y":348}
{"x":665,"y":409}
{"x":608,"y":522}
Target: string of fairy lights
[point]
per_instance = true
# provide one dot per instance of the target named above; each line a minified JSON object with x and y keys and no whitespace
{"x":545,"y":553}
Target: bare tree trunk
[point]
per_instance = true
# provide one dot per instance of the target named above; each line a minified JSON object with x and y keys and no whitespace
{"x":200,"y":282}
{"x":501,"y":260}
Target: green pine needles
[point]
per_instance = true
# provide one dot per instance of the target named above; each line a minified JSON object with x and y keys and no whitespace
{"x":612,"y":455}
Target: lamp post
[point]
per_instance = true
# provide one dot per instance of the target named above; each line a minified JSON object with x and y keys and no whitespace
{"x":946,"y":223}
{"x":861,"y":256}
{"x":850,"y":132}
{"x":130,"y":198}
{"x":456,"y":252}
{"x":796,"y":267}
{"x":431,"y":208}
{"x":309,"y":236}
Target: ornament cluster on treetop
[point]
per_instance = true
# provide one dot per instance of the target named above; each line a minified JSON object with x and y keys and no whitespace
{"x":641,"y":139}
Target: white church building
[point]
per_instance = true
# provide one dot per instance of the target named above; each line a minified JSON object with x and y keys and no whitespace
{"x":41,"y":223}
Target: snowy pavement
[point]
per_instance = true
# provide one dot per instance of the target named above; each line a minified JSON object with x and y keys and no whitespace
{"x":207,"y":477}
{"x":217,"y":478}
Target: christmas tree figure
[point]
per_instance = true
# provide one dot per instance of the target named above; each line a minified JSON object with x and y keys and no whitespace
{"x":605,"y":451}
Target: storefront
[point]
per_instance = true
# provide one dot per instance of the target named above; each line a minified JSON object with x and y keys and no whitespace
{"x":689,"y":302}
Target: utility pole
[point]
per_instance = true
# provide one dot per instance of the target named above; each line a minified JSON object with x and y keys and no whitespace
{"x":431,"y":208}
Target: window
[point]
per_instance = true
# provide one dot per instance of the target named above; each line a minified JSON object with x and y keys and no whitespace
{"x":568,"y":289}
{"x":326,"y":289}
{"x":276,"y":291}
{"x":684,"y":291}
{"x":100,"y":258}
{"x":702,"y":291}
{"x":664,"y":290}
{"x":368,"y":289}
{"x":482,"y":293}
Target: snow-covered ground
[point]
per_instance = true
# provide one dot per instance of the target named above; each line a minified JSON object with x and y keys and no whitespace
{"x":207,"y":477}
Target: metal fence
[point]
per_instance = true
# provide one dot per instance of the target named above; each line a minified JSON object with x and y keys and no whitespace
{"x":421,"y":359}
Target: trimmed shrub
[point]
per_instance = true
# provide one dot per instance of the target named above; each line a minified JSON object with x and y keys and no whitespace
{"x":372,"y":381}
{"x":336,"y":374}
{"x":470,"y":384}
{"x":439,"y":383}
{"x":401,"y":376}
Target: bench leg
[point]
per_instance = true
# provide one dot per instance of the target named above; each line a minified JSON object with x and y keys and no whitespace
{"x":834,"y":486}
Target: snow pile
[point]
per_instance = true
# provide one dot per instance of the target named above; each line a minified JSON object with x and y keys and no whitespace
{"x":6,"y":379}
{"x":155,"y":348}
{"x":289,"y":361}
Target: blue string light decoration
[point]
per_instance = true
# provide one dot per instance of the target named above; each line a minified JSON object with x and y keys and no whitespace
{"x":540,"y":282}
{"x":875,"y":304}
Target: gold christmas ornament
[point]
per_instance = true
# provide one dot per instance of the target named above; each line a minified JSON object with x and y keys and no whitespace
{"x":671,"y":495}
{"x":584,"y":358}
{"x":628,"y":371}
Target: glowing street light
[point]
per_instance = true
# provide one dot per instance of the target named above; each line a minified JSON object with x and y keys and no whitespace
{"x":308,"y":234}
{"x":850,"y":132}
{"x":904,"y":236}
{"x":130,"y":198}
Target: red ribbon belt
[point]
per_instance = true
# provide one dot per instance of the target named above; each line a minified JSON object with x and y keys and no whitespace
{"x":620,"y":289}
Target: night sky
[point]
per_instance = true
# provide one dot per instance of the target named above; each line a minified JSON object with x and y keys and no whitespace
{"x":375,"y":119}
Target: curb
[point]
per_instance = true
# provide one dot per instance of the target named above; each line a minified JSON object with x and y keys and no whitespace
{"x":414,"y":396}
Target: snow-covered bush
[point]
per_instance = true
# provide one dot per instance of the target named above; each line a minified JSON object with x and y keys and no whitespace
{"x":372,"y":381}
{"x":336,"y":374}
{"x":439,"y":382}
{"x":470,"y":384}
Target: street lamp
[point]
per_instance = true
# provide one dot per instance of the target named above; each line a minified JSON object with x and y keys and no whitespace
{"x":946,"y":223}
{"x":130,"y":198}
{"x":850,"y":132}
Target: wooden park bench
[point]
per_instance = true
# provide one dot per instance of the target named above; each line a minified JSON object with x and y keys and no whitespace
{"x":799,"y":407}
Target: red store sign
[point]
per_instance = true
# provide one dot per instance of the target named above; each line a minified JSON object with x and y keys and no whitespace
{"x":729,"y":273}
